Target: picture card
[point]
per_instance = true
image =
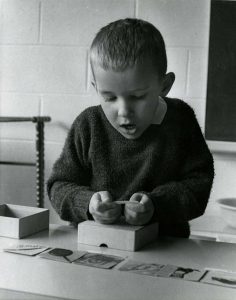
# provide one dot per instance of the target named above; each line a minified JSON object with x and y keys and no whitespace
{"x":30,"y":250}
{"x":62,"y":255}
{"x":149,"y":269}
{"x":189,"y":274}
{"x":98,"y":260}
{"x":160,"y":270}
{"x":167,"y":270}
{"x":222,"y":278}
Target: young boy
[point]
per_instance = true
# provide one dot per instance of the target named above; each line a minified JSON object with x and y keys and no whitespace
{"x":138,"y":145}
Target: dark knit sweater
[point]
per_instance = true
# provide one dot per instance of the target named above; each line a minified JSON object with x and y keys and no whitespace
{"x":170,"y":162}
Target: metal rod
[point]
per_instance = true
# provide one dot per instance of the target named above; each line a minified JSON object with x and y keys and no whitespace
{"x":16,"y":163}
{"x":39,"y":120}
{"x":40,"y":163}
{"x":25,"y":119}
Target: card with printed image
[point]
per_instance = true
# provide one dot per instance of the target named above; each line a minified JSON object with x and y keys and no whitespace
{"x":167,"y":270}
{"x":62,"y":255}
{"x":149,"y":269}
{"x":189,"y":274}
{"x":160,"y":270}
{"x":26,"y":249}
{"x":98,"y":260}
{"x":222,"y":278}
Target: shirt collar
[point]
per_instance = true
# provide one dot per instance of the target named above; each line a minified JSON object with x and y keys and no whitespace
{"x":160,"y":111}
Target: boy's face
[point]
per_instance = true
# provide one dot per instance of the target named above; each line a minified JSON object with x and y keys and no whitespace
{"x":129,"y":98}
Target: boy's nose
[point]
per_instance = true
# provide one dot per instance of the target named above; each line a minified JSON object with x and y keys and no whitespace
{"x":124,"y":109}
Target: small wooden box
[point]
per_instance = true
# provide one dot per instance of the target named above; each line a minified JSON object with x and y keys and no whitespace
{"x":18,"y":221}
{"x":118,"y":236}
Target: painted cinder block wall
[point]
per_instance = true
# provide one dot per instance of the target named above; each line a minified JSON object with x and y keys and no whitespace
{"x":44,"y":70}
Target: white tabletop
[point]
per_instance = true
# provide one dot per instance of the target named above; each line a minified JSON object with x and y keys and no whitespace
{"x":68,"y":281}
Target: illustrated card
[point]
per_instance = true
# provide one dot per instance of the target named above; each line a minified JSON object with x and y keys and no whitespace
{"x":98,"y":260}
{"x":222,"y":278}
{"x":149,"y":269}
{"x":189,"y":274}
{"x":167,"y":270}
{"x":25,"y":249}
{"x":160,"y":270}
{"x":62,"y":255}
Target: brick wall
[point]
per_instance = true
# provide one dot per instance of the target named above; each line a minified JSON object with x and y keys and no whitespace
{"x":44,"y":70}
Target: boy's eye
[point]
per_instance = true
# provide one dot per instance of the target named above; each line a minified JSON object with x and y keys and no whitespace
{"x":135,"y":97}
{"x":109,"y":99}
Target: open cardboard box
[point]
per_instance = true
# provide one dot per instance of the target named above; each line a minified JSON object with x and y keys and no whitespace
{"x":18,"y":221}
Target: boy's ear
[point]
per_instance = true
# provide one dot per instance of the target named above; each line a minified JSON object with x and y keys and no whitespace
{"x":167,"y":83}
{"x":94,"y":85}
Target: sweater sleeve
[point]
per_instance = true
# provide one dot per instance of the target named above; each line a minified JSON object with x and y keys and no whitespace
{"x":68,"y":186}
{"x":186,"y":198}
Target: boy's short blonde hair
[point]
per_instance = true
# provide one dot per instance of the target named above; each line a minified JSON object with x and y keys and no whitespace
{"x":126,"y":42}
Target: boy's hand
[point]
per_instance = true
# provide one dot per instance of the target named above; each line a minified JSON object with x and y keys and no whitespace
{"x":141,"y":212}
{"x":103,"y":209}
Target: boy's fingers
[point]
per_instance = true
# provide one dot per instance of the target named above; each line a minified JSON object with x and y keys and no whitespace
{"x":136,"y":197}
{"x":106,"y":200}
{"x":96,"y":197}
{"x":147,"y":202}
{"x":130,"y":214}
{"x":105,"y":196}
{"x":133,"y":218}
{"x":103,"y":220}
{"x":106,"y":206}
{"x":134,"y":203}
{"x":144,"y":200}
{"x":99,"y":199}
{"x":108,"y":216}
{"x":137,"y":208}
